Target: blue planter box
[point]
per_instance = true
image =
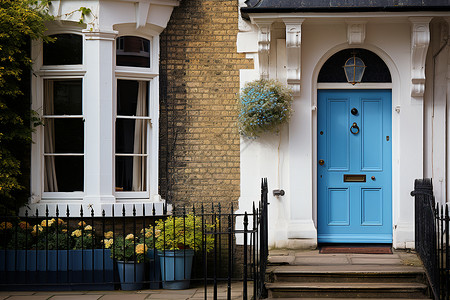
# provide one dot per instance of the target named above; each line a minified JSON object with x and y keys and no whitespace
{"x":154,"y":269}
{"x":176,"y":267}
{"x":56,"y":269}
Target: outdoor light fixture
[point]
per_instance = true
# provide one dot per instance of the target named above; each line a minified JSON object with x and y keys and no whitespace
{"x":354,"y":69}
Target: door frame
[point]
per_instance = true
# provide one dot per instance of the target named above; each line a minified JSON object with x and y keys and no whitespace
{"x":346,"y":86}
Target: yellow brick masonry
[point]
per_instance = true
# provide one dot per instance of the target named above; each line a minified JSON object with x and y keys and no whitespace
{"x":199,"y":152}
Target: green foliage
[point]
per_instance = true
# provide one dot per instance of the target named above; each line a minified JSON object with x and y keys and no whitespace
{"x":265,"y":105}
{"x":20,"y":21}
{"x":129,"y":248}
{"x":177,"y":233}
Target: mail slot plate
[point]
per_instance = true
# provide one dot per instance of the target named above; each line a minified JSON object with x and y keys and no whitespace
{"x":354,"y":178}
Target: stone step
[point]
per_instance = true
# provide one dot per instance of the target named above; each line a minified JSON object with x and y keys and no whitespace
{"x":347,"y":273}
{"x":349,"y":290}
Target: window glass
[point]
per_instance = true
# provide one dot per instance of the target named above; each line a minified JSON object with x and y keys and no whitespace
{"x":375,"y":71}
{"x":63,"y":136}
{"x":67,"y":49}
{"x":132,"y":125}
{"x":133,"y":51}
{"x":66,"y":174}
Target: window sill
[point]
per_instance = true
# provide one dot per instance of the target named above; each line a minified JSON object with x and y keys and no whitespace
{"x":133,"y":207}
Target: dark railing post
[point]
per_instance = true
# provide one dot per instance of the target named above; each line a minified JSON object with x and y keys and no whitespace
{"x":427,"y":229}
{"x":244,"y":296}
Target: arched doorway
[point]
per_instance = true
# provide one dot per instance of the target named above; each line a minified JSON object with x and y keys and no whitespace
{"x":354,"y":151}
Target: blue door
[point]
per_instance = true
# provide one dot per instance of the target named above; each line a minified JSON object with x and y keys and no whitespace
{"x":354,"y":168}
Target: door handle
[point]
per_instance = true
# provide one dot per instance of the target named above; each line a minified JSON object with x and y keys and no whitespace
{"x":354,"y":129}
{"x":321,"y":162}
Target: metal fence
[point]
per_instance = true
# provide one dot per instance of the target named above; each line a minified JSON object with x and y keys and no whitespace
{"x":432,"y":237}
{"x":184,"y":246}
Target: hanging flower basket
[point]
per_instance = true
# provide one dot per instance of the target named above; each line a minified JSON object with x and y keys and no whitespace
{"x":265,"y":105}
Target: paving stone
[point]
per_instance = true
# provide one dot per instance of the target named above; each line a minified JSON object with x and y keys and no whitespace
{"x":122,"y":297}
{"x":76,"y":297}
{"x":29,"y":297}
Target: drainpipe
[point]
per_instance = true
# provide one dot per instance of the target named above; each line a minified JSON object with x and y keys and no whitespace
{"x":432,"y":116}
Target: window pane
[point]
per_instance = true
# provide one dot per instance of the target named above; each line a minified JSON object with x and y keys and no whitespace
{"x":131,"y":173}
{"x":130,"y":93}
{"x":131,"y":136}
{"x":66,"y":50}
{"x":64,"y":173}
{"x":63,"y":97}
{"x":133,"y":51}
{"x":64,"y":136}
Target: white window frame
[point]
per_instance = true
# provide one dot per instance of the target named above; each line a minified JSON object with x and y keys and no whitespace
{"x":42,"y":73}
{"x":151,"y":76}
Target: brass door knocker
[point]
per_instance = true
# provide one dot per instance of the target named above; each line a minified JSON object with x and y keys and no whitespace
{"x":354,"y":126}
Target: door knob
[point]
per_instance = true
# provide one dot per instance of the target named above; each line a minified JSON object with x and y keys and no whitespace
{"x":321,"y":162}
{"x":373,"y":178}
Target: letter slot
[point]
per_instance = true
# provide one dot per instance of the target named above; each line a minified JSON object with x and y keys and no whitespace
{"x":354,"y":178}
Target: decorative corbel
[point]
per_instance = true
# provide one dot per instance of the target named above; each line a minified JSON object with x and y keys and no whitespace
{"x":356,"y":32}
{"x":142,"y":9}
{"x":293,"y":52}
{"x":264,"y":47}
{"x":420,"y":40}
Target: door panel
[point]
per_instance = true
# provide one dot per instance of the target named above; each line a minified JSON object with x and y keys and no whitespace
{"x":354,"y":178}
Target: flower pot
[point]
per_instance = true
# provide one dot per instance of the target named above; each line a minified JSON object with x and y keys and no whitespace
{"x":154,"y":269}
{"x":176,"y":267}
{"x":131,"y":275}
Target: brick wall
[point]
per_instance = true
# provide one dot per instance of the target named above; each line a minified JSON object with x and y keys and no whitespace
{"x":199,"y":141}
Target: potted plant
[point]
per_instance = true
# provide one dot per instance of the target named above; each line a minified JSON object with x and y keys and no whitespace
{"x":264,"y":106}
{"x":130,"y":254}
{"x":178,"y":238}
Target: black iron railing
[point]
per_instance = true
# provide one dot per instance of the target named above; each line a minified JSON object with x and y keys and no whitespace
{"x":87,"y":252}
{"x":432,"y":237}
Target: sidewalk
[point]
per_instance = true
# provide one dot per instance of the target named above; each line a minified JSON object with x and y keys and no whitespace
{"x":196,"y":293}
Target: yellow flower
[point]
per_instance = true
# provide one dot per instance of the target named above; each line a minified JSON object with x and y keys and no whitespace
{"x":36,"y":228}
{"x":47,"y":223}
{"x":157,"y":232}
{"x":109,"y":234}
{"x":24,"y":225}
{"x":76,"y":233}
{"x":108,"y":243}
{"x":148,"y":234}
{"x":130,"y":237}
{"x":88,"y":227}
{"x":141,"y":249}
{"x":82,"y":224}
{"x":5,"y":225}
{"x":64,"y":230}
{"x":61,"y":222}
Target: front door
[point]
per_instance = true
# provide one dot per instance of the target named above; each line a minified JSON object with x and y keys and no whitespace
{"x":354,"y":168}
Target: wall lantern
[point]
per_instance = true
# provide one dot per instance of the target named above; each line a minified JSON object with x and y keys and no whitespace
{"x":354,"y":69}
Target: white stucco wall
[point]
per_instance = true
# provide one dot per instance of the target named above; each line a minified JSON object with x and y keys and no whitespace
{"x":288,"y":160}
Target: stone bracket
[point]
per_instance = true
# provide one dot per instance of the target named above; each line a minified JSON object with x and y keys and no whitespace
{"x":142,"y":9}
{"x":356,"y":32}
{"x":264,"y":47}
{"x":420,"y":39}
{"x":293,"y":52}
